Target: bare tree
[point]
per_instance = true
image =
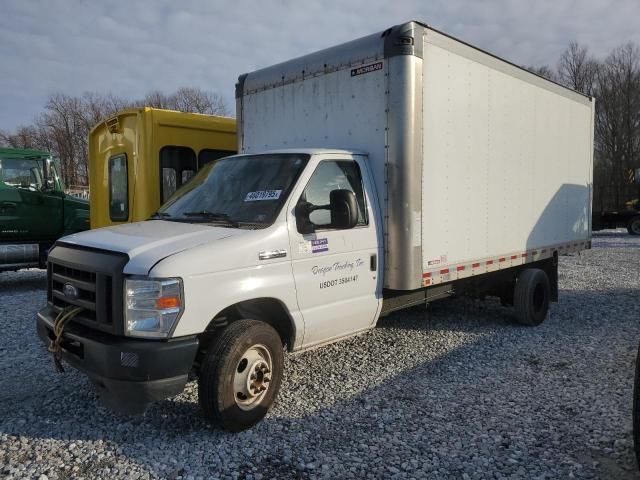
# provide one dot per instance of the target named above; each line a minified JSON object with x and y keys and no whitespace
{"x":188,"y":99}
{"x":617,"y":129}
{"x":544,"y":71}
{"x":577,"y":69}
{"x":157,"y":99}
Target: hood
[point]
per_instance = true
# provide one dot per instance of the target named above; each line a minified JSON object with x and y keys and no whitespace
{"x":146,"y":243}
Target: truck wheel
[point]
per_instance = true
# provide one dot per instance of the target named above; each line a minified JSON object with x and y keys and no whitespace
{"x":634,"y":226}
{"x":636,"y":409}
{"x":531,"y":297}
{"x":240,"y":375}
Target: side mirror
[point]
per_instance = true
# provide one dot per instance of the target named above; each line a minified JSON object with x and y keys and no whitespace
{"x":48,"y":185}
{"x":344,"y":209}
{"x":303,"y":223}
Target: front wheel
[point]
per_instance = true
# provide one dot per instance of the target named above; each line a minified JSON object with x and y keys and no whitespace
{"x":634,"y":226}
{"x":531,"y":296}
{"x":240,"y":375}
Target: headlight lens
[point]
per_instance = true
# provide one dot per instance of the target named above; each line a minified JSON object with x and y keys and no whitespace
{"x":152,"y":306}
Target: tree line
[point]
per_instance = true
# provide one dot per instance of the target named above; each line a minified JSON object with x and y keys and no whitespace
{"x":64,"y":125}
{"x":615,"y":83}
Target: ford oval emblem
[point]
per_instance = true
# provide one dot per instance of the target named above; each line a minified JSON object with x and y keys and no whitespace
{"x":70,"y":291}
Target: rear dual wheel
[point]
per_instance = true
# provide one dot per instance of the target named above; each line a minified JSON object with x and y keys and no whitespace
{"x":531,"y":296}
{"x":240,"y":375}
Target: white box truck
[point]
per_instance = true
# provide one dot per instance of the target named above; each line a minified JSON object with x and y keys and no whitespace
{"x":387,"y":172}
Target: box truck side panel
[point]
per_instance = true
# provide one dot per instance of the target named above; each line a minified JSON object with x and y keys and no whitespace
{"x":506,"y":162}
{"x":339,"y":102}
{"x":330,"y":105}
{"x":331,"y":110}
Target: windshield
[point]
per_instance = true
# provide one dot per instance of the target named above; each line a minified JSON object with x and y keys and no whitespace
{"x":22,"y":173}
{"x":235,"y":190}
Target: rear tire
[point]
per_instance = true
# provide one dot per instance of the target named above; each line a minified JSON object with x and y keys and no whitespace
{"x":634,"y":226}
{"x":531,"y":297}
{"x":636,"y":409}
{"x":240,"y":375}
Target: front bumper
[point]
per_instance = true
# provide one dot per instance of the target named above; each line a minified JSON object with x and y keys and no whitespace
{"x":129,"y":374}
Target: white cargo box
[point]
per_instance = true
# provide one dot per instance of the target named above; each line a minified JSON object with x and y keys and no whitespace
{"x":479,"y":164}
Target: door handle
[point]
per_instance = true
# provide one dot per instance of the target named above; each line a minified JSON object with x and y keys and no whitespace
{"x":373,"y":262}
{"x":269,"y":254}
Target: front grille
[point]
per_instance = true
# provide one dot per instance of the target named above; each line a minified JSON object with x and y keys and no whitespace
{"x":96,"y":278}
{"x":86,"y":284}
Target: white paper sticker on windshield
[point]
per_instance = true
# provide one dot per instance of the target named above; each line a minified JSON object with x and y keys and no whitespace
{"x":263,"y":195}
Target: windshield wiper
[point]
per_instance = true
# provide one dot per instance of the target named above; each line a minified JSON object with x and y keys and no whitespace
{"x":158,"y":215}
{"x":213,"y":216}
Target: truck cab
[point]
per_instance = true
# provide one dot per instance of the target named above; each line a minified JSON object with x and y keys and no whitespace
{"x":34,"y":210}
{"x":279,"y":238}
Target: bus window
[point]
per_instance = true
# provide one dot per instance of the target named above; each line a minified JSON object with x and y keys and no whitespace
{"x":207,"y":155}
{"x":177,"y":166}
{"x":118,"y":188}
{"x":186,"y":175}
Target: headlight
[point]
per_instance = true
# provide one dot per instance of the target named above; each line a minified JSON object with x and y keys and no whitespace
{"x":152,"y":306}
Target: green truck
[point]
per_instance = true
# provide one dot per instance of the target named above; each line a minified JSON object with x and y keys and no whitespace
{"x":34,"y":210}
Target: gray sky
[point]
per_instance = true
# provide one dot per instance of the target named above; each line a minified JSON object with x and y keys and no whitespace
{"x":130,"y":47}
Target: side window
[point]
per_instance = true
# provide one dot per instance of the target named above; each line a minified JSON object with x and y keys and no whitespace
{"x":25,"y":174}
{"x":208,"y":155}
{"x":334,"y":175}
{"x":177,"y":166}
{"x":118,"y":188}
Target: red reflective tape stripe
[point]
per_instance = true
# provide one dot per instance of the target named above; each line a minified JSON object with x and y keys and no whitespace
{"x":460,"y":267}
{"x":426,"y":275}
{"x":489,"y":262}
{"x":543,"y":251}
{"x":475,"y":265}
{"x":502,"y":259}
{"x":524,"y":255}
{"x":513,"y":257}
{"x":535,"y":252}
{"x":443,"y":271}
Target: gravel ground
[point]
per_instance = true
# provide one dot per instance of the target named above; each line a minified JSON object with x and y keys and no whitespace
{"x":454,"y":391}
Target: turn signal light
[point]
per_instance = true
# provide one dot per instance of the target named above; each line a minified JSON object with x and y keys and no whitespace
{"x":163,"y":303}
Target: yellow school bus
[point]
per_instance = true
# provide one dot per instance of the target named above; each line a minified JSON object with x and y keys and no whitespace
{"x":140,"y":156}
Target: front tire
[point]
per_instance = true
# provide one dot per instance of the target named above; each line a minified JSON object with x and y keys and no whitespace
{"x":531,"y":297}
{"x":240,"y":375}
{"x":634,"y":226}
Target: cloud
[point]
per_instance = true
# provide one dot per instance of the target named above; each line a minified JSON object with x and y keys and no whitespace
{"x":131,"y":47}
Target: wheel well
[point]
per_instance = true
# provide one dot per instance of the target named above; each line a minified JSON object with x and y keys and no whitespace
{"x":268,"y":310}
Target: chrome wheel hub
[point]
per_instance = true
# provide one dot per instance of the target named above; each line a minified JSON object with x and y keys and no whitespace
{"x":252,"y":377}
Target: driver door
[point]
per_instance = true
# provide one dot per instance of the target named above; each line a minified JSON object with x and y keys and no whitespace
{"x":335,"y":271}
{"x":28,"y":209}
